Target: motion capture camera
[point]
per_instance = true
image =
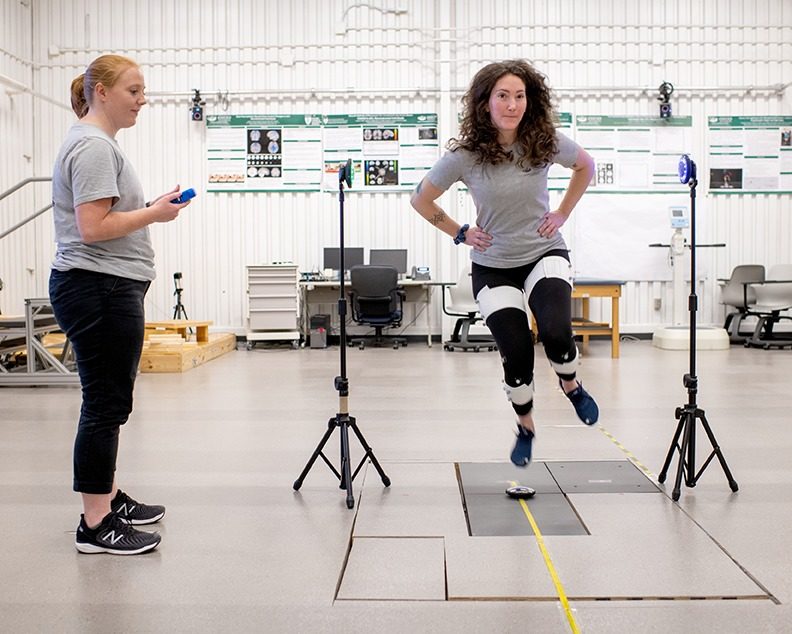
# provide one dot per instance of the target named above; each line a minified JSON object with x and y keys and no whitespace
{"x":666,"y":90}
{"x":196,"y":111}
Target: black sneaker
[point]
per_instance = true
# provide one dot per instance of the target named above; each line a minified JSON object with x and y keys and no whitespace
{"x":115,"y":537}
{"x":133,"y":512}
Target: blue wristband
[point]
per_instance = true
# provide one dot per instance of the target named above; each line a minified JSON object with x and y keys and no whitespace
{"x":460,"y":236}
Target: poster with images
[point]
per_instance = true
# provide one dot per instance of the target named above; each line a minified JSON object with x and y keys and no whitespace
{"x":637,"y":154}
{"x":749,"y":154}
{"x":389,"y":152}
{"x":558,"y":176}
{"x":252,"y":153}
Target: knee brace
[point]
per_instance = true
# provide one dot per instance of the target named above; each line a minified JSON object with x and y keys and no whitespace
{"x":491,"y":300}
{"x":519,"y":395}
{"x":567,"y":366}
{"x":551,"y":266}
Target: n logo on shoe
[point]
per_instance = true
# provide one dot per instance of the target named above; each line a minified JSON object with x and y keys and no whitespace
{"x":125,"y":510}
{"x":111,"y":537}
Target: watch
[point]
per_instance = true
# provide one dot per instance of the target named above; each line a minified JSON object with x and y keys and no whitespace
{"x":460,"y":236}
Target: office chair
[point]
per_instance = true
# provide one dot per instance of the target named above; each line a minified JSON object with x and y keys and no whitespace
{"x":771,"y":298}
{"x":376,"y":301}
{"x":737,"y":293}
{"x":463,"y":306}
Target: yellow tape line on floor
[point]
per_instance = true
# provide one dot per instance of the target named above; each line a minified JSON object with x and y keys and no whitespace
{"x":548,"y":562}
{"x":626,"y":451}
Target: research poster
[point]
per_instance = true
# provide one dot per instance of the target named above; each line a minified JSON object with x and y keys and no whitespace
{"x":634,"y":154}
{"x":558,"y":175}
{"x":389,"y":152}
{"x":256,"y":153}
{"x":750,"y":154}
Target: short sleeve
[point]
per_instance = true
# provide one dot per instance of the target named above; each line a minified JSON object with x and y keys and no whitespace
{"x":448,"y":170}
{"x":93,"y":167}
{"x":567,"y":150}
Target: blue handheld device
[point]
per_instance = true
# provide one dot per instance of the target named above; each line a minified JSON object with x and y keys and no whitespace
{"x":186,"y":195}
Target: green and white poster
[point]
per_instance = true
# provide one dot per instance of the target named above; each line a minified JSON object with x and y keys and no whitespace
{"x":389,"y":151}
{"x":255,"y":153}
{"x":635,"y":154}
{"x":750,"y":154}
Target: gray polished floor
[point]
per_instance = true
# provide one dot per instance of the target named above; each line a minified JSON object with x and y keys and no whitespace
{"x":221,"y":445}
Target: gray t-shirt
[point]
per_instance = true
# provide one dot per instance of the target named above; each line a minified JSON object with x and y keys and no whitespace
{"x":91,"y":166}
{"x":510,"y":202}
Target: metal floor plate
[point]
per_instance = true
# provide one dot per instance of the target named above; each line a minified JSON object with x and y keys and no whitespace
{"x":490,"y":512}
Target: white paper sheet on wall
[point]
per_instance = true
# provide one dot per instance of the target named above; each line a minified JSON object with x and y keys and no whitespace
{"x":612,"y":234}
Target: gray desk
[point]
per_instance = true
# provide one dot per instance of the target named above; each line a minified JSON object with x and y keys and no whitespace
{"x":326,"y":292}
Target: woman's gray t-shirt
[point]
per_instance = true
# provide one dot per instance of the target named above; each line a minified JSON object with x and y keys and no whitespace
{"x":91,"y":166}
{"x":510,"y":202}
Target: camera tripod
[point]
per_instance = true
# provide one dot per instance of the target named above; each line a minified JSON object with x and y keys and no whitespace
{"x":179,"y":311}
{"x":342,"y":420}
{"x":689,"y":413}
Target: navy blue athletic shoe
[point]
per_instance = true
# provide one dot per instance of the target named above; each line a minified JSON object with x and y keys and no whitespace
{"x":521,"y":454}
{"x":585,"y":406}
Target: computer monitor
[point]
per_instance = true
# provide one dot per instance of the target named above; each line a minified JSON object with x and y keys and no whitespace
{"x":332,"y":257}
{"x":392,"y":257}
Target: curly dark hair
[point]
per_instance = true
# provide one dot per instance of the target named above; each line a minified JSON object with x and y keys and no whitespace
{"x":536,"y":134}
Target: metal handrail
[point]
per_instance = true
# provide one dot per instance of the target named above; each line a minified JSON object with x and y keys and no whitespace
{"x":20,"y":185}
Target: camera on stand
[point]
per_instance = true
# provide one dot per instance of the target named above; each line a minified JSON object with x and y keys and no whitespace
{"x":196,"y":110}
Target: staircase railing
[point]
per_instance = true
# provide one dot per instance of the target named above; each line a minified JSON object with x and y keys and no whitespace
{"x":36,"y":214}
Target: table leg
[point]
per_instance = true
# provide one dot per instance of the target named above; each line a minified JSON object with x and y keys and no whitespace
{"x":614,"y":327}
{"x":428,"y":290}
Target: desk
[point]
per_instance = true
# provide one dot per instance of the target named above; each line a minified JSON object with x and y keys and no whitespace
{"x":584,"y":289}
{"x":327,"y":292}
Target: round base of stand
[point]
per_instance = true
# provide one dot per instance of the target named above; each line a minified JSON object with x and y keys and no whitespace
{"x":678,"y":338}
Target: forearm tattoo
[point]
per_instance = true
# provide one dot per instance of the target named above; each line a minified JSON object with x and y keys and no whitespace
{"x":438,"y":218}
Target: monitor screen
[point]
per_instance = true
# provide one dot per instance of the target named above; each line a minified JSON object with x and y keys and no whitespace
{"x":392,"y":257}
{"x":352,"y":257}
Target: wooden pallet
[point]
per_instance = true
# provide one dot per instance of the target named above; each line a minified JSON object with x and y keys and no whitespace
{"x":165,"y":351}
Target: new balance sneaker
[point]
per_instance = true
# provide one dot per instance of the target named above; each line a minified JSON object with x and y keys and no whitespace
{"x":585,"y":406}
{"x":114,"y":536}
{"x":133,"y":512}
{"x":521,"y":454}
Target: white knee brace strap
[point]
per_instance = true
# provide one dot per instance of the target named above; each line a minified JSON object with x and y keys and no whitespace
{"x":567,"y":366}
{"x":519,"y":395}
{"x":551,"y":266}
{"x":491,"y":300}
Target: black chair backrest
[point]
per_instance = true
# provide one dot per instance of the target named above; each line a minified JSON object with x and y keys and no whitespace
{"x":374,"y":289}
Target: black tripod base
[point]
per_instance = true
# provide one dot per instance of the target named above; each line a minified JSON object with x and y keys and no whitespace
{"x":686,"y":429}
{"x":344,"y":422}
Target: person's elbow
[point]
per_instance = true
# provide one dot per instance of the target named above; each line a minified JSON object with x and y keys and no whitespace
{"x":584,"y":163}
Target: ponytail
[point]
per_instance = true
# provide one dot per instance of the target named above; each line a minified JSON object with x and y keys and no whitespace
{"x":78,"y":101}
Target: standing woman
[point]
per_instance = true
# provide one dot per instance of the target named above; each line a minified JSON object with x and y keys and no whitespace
{"x":102,"y":269}
{"x":506,"y":145}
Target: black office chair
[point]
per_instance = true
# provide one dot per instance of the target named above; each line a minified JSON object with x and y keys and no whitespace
{"x":376,"y":301}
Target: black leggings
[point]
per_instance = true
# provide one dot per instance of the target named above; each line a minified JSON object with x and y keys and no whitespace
{"x":551,"y":305}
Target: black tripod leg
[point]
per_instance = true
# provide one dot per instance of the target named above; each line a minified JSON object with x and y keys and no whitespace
{"x":685,"y":420}
{"x":718,"y":453}
{"x":667,"y":463}
{"x":346,"y":470}
{"x":370,"y":453}
{"x":330,"y":426}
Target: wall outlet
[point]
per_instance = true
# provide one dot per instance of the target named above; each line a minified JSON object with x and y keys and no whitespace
{"x":658,"y":303}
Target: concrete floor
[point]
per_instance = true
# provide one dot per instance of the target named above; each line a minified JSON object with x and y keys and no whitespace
{"x":221,"y":445}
